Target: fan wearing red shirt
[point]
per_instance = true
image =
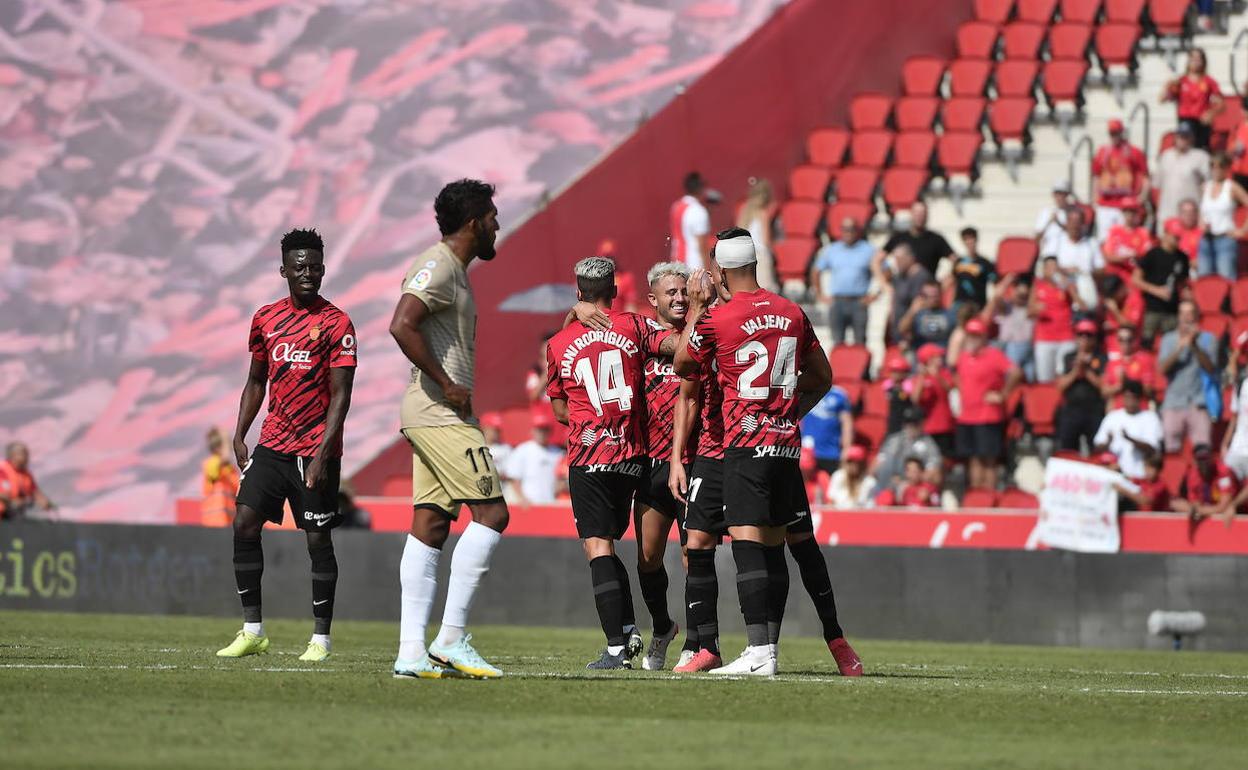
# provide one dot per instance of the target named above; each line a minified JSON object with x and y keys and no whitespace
{"x":595,"y":388}
{"x":985,"y":378}
{"x":930,"y":391}
{"x":1153,"y":495}
{"x":915,"y":491}
{"x":1126,"y":242}
{"x":1052,"y":306}
{"x":304,"y":349}
{"x":1210,"y":489}
{"x":1197,"y":96}
{"x":1119,"y":172}
{"x":772,"y":371}
{"x":1129,"y":362}
{"x":18,"y":490}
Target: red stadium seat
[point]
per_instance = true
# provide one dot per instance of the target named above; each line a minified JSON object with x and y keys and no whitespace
{"x":903,"y":186}
{"x":800,"y":218}
{"x":958,"y":152}
{"x":1016,"y":78}
{"x":1115,"y":44}
{"x":913,"y":149}
{"x":916,"y":113}
{"x":869,"y":430}
{"x":1226,"y":123}
{"x":809,"y":183}
{"x":827,"y":146}
{"x":857,"y":184}
{"x":1013,"y":497}
{"x":1239,"y":325}
{"x":969,"y":77}
{"x":978,"y":498}
{"x":921,"y":75}
{"x":1040,"y":401}
{"x":793,"y":257}
{"x":1209,"y":292}
{"x":853,"y":391}
{"x":977,"y":40}
{"x":1068,"y":40}
{"x":1128,"y":11}
{"x":859,"y":211}
{"x":869,"y":110}
{"x":1216,"y":324}
{"x":1170,"y":17}
{"x":849,"y":363}
{"x":870,"y":149}
{"x":1023,"y":40}
{"x":1016,"y":255}
{"x":1036,"y":11}
{"x":1081,"y":11}
{"x":1239,"y":297}
{"x":965,"y":113}
{"x":875,"y":400}
{"x":993,"y":11}
{"x":1173,"y":469}
{"x":1010,"y":118}
{"x":1063,"y":81}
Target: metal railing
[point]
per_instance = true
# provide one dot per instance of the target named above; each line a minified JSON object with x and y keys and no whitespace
{"x":1136,"y":110}
{"x":1240,"y":38}
{"x":1082,"y":142}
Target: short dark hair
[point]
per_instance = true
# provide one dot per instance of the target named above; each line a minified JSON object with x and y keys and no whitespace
{"x":1133,"y":386}
{"x":731,"y":232}
{"x":913,"y":459}
{"x":969,"y":232}
{"x":462,"y":201}
{"x":302,"y":239}
{"x":693,"y":183}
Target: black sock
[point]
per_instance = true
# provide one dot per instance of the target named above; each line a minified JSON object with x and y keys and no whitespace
{"x":814,"y":571}
{"x":654,"y":594}
{"x":324,"y":581}
{"x":248,"y":569}
{"x":626,"y":588}
{"x":752,"y":590}
{"x":777,"y":589}
{"x":609,"y":598}
{"x":702,"y":601}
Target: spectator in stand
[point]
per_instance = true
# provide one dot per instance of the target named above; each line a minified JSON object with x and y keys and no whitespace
{"x":1052,"y":219}
{"x":1052,"y":308}
{"x":907,"y":278}
{"x":927,"y":322}
{"x":220,"y":483}
{"x":1186,"y":358}
{"x":691,"y":222}
{"x":829,"y":428}
{"x":19,"y":492}
{"x":1121,"y":306}
{"x":928,"y":246}
{"x":985,"y":379}
{"x":964,"y":313}
{"x":1187,"y":227}
{"x":1132,"y":433}
{"x":532,"y":467}
{"x":1161,"y":276}
{"x":850,"y":487}
{"x":1011,"y":312}
{"x":492,"y":430}
{"x":971,"y":273}
{"x":1210,"y":489}
{"x":909,"y":441}
{"x":1182,"y":171}
{"x":1126,"y":242}
{"x":1235,"y":439}
{"x":896,"y":385}
{"x":536,"y":379}
{"x":1197,"y":96}
{"x":1078,"y":258}
{"x":1119,"y":171}
{"x":1082,"y":406}
{"x":1154,"y":495}
{"x":930,"y":392}
{"x":913,"y":490}
{"x":1129,"y":362}
{"x":841,"y":274}
{"x":756,"y":215}
{"x":1219,"y":248}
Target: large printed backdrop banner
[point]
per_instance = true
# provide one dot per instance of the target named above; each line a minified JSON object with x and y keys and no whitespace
{"x":152,"y":152}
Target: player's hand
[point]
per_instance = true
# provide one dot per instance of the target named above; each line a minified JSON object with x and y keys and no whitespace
{"x":459,"y":397}
{"x":701,"y":292}
{"x":589,"y":314}
{"x":240,"y":453}
{"x":992,"y":397}
{"x":677,"y":482}
{"x":314,"y":473}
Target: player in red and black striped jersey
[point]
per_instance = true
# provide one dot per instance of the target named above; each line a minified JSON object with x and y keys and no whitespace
{"x":772,"y":371}
{"x":303,"y":351}
{"x":595,"y":387}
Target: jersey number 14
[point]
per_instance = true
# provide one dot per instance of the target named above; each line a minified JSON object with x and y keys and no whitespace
{"x":783,"y":369}
{"x":607,"y":385}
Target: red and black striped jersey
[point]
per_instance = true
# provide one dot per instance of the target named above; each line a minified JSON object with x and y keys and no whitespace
{"x":758,"y":340}
{"x":711,"y":419}
{"x":600,"y":375}
{"x":662,"y":386}
{"x":300,"y":347}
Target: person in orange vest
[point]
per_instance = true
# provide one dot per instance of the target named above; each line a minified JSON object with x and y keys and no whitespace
{"x":220,"y":483}
{"x":18,"y":491}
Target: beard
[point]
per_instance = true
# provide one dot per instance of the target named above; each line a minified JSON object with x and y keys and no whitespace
{"x":485,"y":245}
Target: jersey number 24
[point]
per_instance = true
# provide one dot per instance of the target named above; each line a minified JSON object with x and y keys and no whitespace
{"x":783,"y":371}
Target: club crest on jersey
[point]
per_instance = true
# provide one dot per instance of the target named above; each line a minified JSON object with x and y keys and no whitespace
{"x":314,"y":332}
{"x":485,"y":484}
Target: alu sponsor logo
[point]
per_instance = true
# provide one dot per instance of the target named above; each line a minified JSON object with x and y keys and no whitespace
{"x":749,"y":423}
{"x":777,"y":424}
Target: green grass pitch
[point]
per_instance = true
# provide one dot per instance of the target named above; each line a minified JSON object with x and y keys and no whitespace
{"x":119,"y":691}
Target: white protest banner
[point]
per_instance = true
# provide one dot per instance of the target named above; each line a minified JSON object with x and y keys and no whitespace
{"x":1079,"y":507}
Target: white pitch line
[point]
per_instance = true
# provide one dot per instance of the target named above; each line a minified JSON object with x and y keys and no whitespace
{"x":1228,"y":693}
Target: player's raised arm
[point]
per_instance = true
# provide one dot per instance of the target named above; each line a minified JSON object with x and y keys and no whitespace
{"x":405,"y":329}
{"x":684,"y":362}
{"x":688,"y":402}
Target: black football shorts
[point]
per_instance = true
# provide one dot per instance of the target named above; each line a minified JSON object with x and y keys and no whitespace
{"x":706,"y":496}
{"x":763,"y":487}
{"x":271,"y":479}
{"x":602,"y":497}
{"x":655,"y":493}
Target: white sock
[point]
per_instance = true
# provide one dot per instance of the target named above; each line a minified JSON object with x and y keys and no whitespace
{"x":254,"y":628}
{"x":321,"y":639}
{"x":469,"y":563}
{"x":615,"y":649}
{"x":418,"y":576}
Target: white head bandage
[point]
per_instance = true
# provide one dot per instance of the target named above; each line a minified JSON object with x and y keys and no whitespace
{"x":735,"y":252}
